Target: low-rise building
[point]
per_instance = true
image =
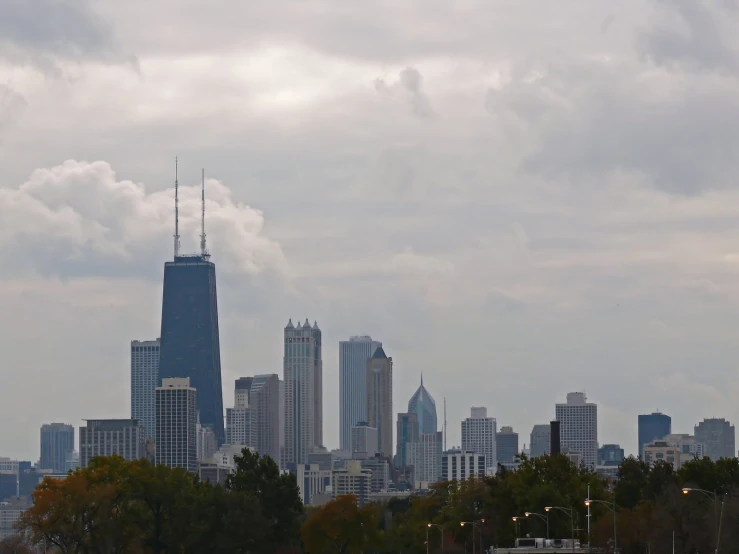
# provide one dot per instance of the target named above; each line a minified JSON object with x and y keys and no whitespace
{"x":10,"y":512}
{"x":109,"y":437}
{"x":312,"y":481}
{"x":661,"y":451}
{"x":460,"y":465}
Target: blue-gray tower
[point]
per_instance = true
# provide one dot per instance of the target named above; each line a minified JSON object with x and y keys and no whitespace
{"x":652,"y":427}
{"x":190,"y":344}
{"x":423,"y":405}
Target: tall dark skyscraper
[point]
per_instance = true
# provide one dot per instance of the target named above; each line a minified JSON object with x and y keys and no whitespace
{"x":189,"y":336}
{"x":652,"y":427}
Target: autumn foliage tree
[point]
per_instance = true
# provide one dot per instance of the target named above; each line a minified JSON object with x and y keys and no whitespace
{"x":341,"y":527}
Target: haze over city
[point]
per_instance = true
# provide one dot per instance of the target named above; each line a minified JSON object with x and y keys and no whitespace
{"x":519,"y":199}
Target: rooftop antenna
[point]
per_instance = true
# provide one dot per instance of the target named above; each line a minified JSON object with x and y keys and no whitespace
{"x":203,"y":250}
{"x":176,"y":212}
{"x":445,"y":424}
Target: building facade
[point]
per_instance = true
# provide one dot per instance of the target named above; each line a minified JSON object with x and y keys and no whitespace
{"x":109,"y":437}
{"x":353,"y":356}
{"x":478,"y":435}
{"x":506,"y":445}
{"x":653,"y":427}
{"x":352,"y":479}
{"x":407,"y":433}
{"x":190,"y":344}
{"x":460,"y":465}
{"x":303,"y":368}
{"x":379,"y":375}
{"x":57,"y":439}
{"x":312,"y":481}
{"x":425,"y":457}
{"x":660,"y":451}
{"x":610,"y":455}
{"x":176,"y":441}
{"x":364,"y":439}
{"x":144,"y":379}
{"x":540,"y":440}
{"x":423,"y":405}
{"x":254,"y":420}
{"x":578,"y":427}
{"x":718,"y":438}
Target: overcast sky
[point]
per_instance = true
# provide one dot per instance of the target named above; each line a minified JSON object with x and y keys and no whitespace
{"x":518,"y":198}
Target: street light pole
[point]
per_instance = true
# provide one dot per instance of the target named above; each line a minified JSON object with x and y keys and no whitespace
{"x":479,"y":531}
{"x":441,"y":528}
{"x":545,"y":518}
{"x":570,"y":512}
{"x":713,"y":496}
{"x":611,"y":506}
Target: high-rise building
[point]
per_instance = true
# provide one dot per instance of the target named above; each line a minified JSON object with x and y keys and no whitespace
{"x":241,"y":419}
{"x":176,"y":438}
{"x":407,"y":430}
{"x":478,"y":435}
{"x":425,"y":457}
{"x":57,"y":439}
{"x":610,"y":455}
{"x":380,"y":399}
{"x":540,"y":440}
{"x":190,"y":346}
{"x":506,"y":445}
{"x":460,"y":465}
{"x":352,"y":479}
{"x":144,"y":379}
{"x":578,"y":429}
{"x":422,"y":404}
{"x":718,"y":438}
{"x":109,"y":437}
{"x":364,"y":438}
{"x":206,"y":443}
{"x":303,"y":399}
{"x":254,"y":421}
{"x":653,"y":427}
{"x":353,"y":356}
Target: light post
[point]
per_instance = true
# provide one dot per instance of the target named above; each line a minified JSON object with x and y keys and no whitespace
{"x":713,"y":496}
{"x":479,"y":531}
{"x":541,"y":516}
{"x":570,"y":512}
{"x":429,"y":526}
{"x":611,"y":506}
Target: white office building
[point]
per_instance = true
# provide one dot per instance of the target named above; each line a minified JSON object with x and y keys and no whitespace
{"x":144,"y":381}
{"x":425,"y":457}
{"x":353,"y":356}
{"x":460,"y":465}
{"x":176,"y":438}
{"x":352,"y":479}
{"x":478,"y":435}
{"x":578,"y":427}
{"x":312,"y":481}
{"x":111,"y":437}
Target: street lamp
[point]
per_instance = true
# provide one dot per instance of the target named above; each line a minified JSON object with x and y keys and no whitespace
{"x":570,"y":512}
{"x":518,"y":526}
{"x":713,"y":496}
{"x":541,"y":516}
{"x":429,"y":526}
{"x":474,"y":524}
{"x":611,"y":506}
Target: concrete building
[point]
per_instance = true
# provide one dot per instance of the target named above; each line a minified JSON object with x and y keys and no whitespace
{"x":144,"y":380}
{"x":206,"y":442}
{"x":57,"y":439}
{"x":660,"y":451}
{"x":718,"y":438}
{"x":540,"y":440}
{"x":241,"y":426}
{"x":478,"y":435}
{"x":312,"y":481}
{"x":506,"y":445}
{"x":610,"y":455}
{"x":653,"y":427}
{"x":254,"y":421}
{"x":380,"y":468}
{"x":176,"y":441}
{"x":423,"y":405}
{"x":425,"y":457}
{"x":108,"y":437}
{"x":303,"y":375}
{"x":364,"y":438}
{"x":407,"y":433}
{"x":460,"y":465}
{"x":380,"y":399}
{"x":353,"y":356}
{"x":10,"y":513}
{"x":687,"y":444}
{"x":578,"y":429}
{"x":352,"y":479}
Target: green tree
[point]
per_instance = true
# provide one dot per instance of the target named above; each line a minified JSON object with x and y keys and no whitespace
{"x":341,"y":527}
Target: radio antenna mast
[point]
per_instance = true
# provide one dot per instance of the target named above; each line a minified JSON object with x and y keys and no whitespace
{"x":176,"y":212}
{"x":203,"y":250}
{"x":445,"y":424}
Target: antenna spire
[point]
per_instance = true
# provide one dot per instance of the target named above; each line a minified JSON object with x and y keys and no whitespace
{"x":445,"y":424}
{"x":176,"y":212}
{"x":203,"y":250}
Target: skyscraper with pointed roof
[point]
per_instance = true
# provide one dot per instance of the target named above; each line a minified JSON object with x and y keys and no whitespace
{"x":422,"y":404}
{"x":302,"y":366}
{"x":380,"y":399}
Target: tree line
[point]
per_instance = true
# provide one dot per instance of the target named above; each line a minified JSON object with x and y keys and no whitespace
{"x":116,"y":507}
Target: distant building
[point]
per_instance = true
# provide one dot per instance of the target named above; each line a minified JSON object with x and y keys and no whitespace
{"x":425,"y":457}
{"x":380,"y":399}
{"x":364,"y":438}
{"x":506,"y":445}
{"x":10,"y":513}
{"x":478,"y":435}
{"x":660,"y":451}
{"x":579,"y":427}
{"x":207,"y":444}
{"x":539,"y":441}
{"x":312,"y":481}
{"x":407,"y":433}
{"x":254,"y":421}
{"x":380,"y":468}
{"x":144,"y":380}
{"x":352,"y":479}
{"x":718,"y":438}
{"x":176,"y":442}
{"x":109,"y":437}
{"x":460,"y":465}
{"x":610,"y":455}
{"x":423,"y":405}
{"x":353,"y":356}
{"x":57,"y":439}
{"x":687,"y":444}
{"x":653,"y":427}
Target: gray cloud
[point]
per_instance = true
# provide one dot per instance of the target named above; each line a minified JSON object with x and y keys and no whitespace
{"x":410,"y":84}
